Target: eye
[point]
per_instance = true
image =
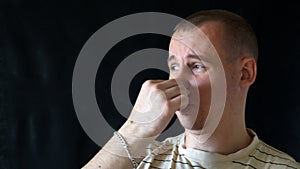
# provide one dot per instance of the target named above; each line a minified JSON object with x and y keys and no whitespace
{"x":198,"y":68}
{"x":174,"y":67}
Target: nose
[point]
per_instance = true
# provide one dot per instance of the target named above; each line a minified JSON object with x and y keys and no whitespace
{"x":182,"y":78}
{"x":183,"y":73}
{"x":184,"y":85}
{"x":185,"y":78}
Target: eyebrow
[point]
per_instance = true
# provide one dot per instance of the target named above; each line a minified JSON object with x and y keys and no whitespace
{"x":172,"y":57}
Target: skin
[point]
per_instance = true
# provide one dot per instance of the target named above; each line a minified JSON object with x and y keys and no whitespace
{"x":231,"y":134}
{"x":189,"y":76}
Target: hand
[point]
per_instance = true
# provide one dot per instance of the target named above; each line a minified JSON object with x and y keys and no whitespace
{"x":155,"y":106}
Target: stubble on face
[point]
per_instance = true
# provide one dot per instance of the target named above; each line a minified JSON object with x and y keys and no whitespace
{"x":207,"y":45}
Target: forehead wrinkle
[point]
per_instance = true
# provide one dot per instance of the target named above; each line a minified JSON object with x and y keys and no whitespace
{"x":187,"y":52}
{"x":192,"y":47}
{"x":193,"y":57}
{"x":189,"y":56}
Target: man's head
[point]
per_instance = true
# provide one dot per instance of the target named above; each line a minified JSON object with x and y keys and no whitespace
{"x":239,"y":37}
{"x":227,"y":36}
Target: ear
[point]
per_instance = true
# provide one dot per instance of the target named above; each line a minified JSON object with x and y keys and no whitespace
{"x":248,"y":71}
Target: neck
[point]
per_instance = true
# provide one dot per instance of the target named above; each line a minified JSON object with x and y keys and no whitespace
{"x":229,"y":137}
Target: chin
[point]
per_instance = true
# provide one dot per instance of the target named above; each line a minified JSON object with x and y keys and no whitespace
{"x":188,"y":126}
{"x":191,"y":118}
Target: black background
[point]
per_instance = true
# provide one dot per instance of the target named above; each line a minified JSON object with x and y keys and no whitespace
{"x":39,"y":44}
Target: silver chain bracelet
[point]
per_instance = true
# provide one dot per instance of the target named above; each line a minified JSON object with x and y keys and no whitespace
{"x":124,"y":144}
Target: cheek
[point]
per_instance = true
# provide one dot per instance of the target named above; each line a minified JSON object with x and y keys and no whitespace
{"x":232,"y":81}
{"x":205,"y":93}
{"x":203,"y":85}
{"x":202,"y":88}
{"x":232,"y":73}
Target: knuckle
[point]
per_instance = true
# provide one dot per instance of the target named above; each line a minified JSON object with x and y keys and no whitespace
{"x":168,"y":105}
{"x":177,"y":88}
{"x":156,"y":86}
{"x":148,"y":83}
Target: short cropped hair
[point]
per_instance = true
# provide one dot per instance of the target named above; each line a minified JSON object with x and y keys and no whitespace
{"x":239,"y":35}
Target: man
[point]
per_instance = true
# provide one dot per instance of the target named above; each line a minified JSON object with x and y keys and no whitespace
{"x":224,"y":48}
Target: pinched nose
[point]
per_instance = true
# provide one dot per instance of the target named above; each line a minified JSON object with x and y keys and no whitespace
{"x":183,"y":83}
{"x":188,"y":88}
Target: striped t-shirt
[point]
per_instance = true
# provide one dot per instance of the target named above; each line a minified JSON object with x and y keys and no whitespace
{"x":171,"y":154}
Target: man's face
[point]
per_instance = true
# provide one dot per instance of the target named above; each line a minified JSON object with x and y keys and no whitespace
{"x":193,"y":60}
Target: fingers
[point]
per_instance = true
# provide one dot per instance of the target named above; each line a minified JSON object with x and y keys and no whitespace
{"x":161,"y":84}
{"x":172,"y":92}
{"x":156,"y":104}
{"x":178,"y":102}
{"x":177,"y":95}
{"x":171,"y":88}
{"x":167,"y":84}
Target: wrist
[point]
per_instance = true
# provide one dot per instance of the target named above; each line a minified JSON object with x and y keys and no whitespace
{"x":135,"y":145}
{"x":138,"y":131}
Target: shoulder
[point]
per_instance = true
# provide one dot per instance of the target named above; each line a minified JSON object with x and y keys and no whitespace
{"x":267,"y":155}
{"x":262,"y":155}
{"x":265,"y":151}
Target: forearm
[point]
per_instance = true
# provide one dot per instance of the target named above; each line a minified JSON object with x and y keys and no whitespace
{"x":142,"y":127}
{"x":107,"y":160}
{"x":112,"y":155}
